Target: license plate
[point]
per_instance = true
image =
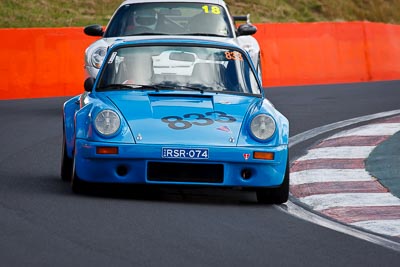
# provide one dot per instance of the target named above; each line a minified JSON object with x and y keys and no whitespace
{"x":184,"y":153}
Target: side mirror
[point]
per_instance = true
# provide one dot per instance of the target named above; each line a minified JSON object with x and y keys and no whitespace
{"x":88,"y":84}
{"x":246,"y":29}
{"x":94,"y":30}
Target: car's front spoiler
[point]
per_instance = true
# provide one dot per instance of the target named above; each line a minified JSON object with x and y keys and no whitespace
{"x":133,"y":159}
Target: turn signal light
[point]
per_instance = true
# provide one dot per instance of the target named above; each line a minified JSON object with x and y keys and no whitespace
{"x":264,"y":155}
{"x":107,"y":150}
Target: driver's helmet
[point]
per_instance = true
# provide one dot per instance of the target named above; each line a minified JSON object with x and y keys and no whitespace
{"x":145,"y":18}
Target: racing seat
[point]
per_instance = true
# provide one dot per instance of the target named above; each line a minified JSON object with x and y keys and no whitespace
{"x":209,"y":74}
{"x":208,"y":24}
{"x":135,"y":69}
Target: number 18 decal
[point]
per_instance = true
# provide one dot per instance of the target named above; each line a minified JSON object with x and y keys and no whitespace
{"x":214,"y":9}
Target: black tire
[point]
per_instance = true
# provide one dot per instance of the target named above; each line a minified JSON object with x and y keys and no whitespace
{"x":77,"y":185}
{"x":66,"y":163}
{"x":277,"y":195}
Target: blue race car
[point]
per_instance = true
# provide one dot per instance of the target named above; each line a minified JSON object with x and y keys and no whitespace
{"x":176,"y":111}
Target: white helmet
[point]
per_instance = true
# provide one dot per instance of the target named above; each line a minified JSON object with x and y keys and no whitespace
{"x":145,"y":18}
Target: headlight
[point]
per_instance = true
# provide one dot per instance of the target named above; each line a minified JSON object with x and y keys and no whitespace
{"x":262,"y":126}
{"x":98,"y":56}
{"x":107,"y":122}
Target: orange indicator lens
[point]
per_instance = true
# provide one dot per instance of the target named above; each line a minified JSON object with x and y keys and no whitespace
{"x":264,"y":155}
{"x":107,"y":150}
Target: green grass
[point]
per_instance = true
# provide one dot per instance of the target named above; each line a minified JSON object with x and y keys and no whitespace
{"x":67,"y":13}
{"x":55,"y":13}
{"x":387,"y":11}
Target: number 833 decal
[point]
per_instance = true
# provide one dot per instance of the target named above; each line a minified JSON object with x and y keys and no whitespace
{"x":179,"y":123}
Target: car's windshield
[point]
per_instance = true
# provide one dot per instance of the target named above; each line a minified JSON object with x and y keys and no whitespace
{"x":170,"y":18}
{"x":178,"y":67}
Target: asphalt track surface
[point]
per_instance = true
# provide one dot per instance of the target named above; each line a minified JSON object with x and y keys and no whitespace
{"x":43,"y":224}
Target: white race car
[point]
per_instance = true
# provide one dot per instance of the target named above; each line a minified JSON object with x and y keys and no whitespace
{"x":135,"y":18}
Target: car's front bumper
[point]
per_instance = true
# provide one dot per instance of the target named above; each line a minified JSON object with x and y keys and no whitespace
{"x":133,"y":162}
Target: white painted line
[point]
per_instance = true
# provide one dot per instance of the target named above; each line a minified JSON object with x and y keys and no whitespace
{"x":300,"y":212}
{"x":304,"y":214}
{"x":329,"y":175}
{"x":386,"y":227}
{"x":304,"y":136}
{"x":327,"y":201}
{"x":343,"y":152}
{"x":371,"y":130}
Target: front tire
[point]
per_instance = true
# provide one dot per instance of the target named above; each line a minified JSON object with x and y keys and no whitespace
{"x":277,"y":195}
{"x":77,"y":185}
{"x":66,"y":163}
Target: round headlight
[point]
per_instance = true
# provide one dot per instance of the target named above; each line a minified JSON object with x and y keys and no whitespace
{"x":98,"y":56}
{"x":107,"y":122}
{"x":262,"y":126}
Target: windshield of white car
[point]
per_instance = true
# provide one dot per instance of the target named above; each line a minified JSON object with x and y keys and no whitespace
{"x":170,"y":18}
{"x":178,"y":67}
{"x":203,"y":34}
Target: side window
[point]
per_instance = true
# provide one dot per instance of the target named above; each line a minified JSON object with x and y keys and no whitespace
{"x":119,"y":22}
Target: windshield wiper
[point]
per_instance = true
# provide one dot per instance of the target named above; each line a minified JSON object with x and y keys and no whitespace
{"x":119,"y":86}
{"x":196,"y":87}
{"x":147,"y":33}
{"x":132,"y":86}
{"x":204,"y":34}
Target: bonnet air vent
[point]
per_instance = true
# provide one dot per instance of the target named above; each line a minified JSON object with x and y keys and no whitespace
{"x":180,"y":96}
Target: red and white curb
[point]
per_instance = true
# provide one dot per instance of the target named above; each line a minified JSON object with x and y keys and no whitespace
{"x":331,"y":179}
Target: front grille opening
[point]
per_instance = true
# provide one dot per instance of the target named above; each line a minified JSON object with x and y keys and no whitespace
{"x":185,"y":172}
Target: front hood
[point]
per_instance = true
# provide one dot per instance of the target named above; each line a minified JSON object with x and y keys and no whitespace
{"x":184,"y":118}
{"x":106,"y":42}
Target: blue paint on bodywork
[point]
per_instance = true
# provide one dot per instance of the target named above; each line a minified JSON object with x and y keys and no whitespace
{"x":152,"y":119}
{"x":69,"y":109}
